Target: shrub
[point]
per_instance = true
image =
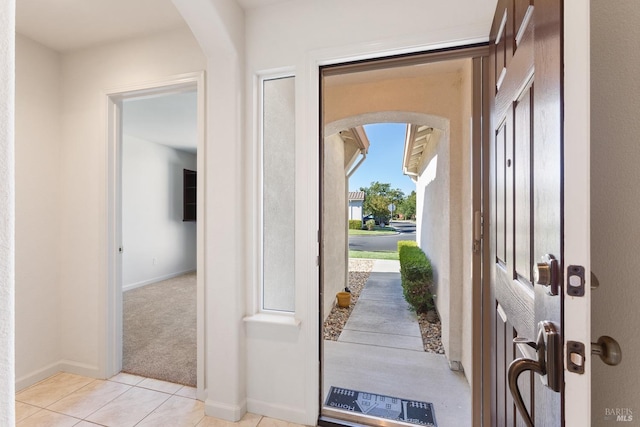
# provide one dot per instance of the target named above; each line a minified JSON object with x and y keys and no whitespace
{"x":371,"y":224}
{"x":402,"y":243}
{"x":417,"y":276}
{"x":355,"y":224}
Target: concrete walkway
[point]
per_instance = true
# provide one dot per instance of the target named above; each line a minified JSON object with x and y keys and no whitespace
{"x":382,"y":317}
{"x":380,"y":351}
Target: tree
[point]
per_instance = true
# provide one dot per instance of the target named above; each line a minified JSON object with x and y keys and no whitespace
{"x":378,"y":197}
{"x":407,"y":207}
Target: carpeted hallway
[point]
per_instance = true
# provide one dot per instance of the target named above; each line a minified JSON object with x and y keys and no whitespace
{"x":159,"y":323}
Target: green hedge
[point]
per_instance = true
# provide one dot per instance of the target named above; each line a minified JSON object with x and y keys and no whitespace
{"x":355,"y":224}
{"x":402,"y":243}
{"x":417,"y":276}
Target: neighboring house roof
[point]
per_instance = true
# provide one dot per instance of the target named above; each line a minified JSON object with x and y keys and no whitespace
{"x":356,"y":195}
{"x":418,"y":137}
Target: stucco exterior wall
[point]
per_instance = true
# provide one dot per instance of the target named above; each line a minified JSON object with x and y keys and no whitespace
{"x":334,"y":218}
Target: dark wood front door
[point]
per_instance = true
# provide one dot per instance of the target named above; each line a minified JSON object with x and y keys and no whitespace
{"x":526,"y":216}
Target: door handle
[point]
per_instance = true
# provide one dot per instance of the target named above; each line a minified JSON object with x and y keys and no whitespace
{"x":549,"y":365}
{"x":608,"y":349}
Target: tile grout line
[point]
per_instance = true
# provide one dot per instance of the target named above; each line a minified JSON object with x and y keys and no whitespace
{"x":56,"y":401}
{"x":85,"y":418}
{"x":155,"y":409}
{"x":129,"y":386}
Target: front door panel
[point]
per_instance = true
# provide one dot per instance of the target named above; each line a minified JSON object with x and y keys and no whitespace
{"x":526,"y":197}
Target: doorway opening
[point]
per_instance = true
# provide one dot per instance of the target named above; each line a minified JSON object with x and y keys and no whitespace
{"x":156,"y":306}
{"x":374,"y":372}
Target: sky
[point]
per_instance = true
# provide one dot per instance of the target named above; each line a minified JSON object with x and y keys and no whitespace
{"x":384,"y":160}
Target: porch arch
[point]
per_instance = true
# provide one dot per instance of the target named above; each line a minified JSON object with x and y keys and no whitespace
{"x":439,"y":233}
{"x":409,"y":117}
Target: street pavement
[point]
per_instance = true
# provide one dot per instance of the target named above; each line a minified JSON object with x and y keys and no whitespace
{"x":388,"y":242}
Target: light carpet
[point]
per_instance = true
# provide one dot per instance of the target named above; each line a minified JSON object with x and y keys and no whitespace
{"x":159,"y":322}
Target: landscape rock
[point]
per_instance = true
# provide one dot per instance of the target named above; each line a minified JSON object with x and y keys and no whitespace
{"x":359,"y":271}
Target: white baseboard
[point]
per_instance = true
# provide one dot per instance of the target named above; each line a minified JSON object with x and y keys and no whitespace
{"x":81,"y":369}
{"x":154,"y":280}
{"x":279,"y":412}
{"x":224,"y":411}
{"x":54,"y":368}
{"x":36,"y":376}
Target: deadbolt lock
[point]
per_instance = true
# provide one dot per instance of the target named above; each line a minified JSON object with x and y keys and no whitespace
{"x":545,"y":273}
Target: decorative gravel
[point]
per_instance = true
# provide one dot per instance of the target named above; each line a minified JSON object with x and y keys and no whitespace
{"x":431,"y":334}
{"x":359,"y":270}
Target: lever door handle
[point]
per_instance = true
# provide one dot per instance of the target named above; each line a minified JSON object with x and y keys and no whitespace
{"x":549,"y":365}
{"x":517,"y":367}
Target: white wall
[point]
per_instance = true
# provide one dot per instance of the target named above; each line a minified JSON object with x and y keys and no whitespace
{"x":7,"y":216}
{"x":158,"y":244}
{"x":38,"y":137}
{"x":615,"y":201}
{"x":87,"y":76}
{"x":355,"y":209}
{"x":301,"y":35}
{"x":219,"y":28}
{"x":292,"y":34}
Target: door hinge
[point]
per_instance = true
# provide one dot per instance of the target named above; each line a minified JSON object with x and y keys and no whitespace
{"x":478,"y":223}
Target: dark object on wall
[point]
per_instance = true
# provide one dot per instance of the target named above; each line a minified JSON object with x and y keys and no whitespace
{"x":189,"y":190}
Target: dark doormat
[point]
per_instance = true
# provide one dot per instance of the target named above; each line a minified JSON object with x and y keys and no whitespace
{"x":377,"y":405}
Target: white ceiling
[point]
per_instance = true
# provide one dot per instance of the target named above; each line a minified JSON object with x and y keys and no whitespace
{"x":66,"y":25}
{"x":169,"y":119}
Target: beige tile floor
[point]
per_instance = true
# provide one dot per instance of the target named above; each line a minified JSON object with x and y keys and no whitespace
{"x":122,"y":401}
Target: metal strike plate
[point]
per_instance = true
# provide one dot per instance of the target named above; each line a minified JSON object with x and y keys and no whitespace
{"x":575,"y":281}
{"x":575,"y":357}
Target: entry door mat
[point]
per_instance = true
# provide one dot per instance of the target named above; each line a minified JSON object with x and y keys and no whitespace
{"x":380,"y":406}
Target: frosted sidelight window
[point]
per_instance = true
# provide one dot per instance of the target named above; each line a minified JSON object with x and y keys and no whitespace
{"x":278,"y":194}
